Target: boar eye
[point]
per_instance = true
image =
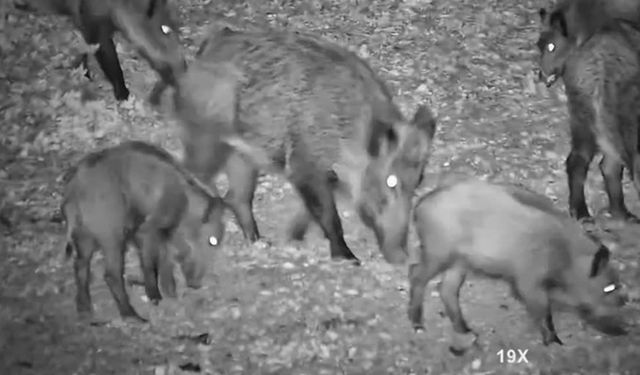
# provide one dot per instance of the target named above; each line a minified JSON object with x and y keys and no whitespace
{"x":213,"y":241}
{"x":165,"y":29}
{"x":551,"y":47}
{"x":609,"y":288}
{"x":392,"y":181}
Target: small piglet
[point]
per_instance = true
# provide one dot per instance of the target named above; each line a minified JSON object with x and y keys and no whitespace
{"x":137,"y":193}
{"x":508,"y":233}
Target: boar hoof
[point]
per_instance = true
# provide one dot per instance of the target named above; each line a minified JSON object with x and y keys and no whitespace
{"x":463,"y":341}
{"x":154,"y":296}
{"x":133,"y":280}
{"x":354,"y":262}
{"x":346,"y":258}
{"x":194,"y":285}
{"x":98,"y":323}
{"x":552,"y":338}
{"x":85,"y":316}
{"x":171,"y":294}
{"x":586,"y":219}
{"x":418,"y":328}
{"x":457,"y":351}
{"x":297,"y":231}
{"x":622,"y":216}
{"x":121,"y":94}
{"x":633,"y":219}
{"x":134,"y":319}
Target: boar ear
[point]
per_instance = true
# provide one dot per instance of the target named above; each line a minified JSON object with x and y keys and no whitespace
{"x":600,"y":260}
{"x":155,"y":6}
{"x":425,"y":121}
{"x":214,"y":205}
{"x":389,"y":141}
{"x":558,"y":22}
{"x":416,"y":138}
{"x":543,"y":14}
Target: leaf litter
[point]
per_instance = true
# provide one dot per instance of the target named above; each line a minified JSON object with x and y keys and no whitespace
{"x":275,"y":307}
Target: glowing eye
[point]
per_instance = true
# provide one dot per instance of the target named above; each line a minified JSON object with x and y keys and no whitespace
{"x":609,"y":288}
{"x":392,"y":181}
{"x":165,"y":29}
{"x":551,"y":47}
{"x":213,"y":241}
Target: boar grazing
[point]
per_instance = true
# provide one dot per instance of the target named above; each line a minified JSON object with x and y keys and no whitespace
{"x":97,"y":21}
{"x":136,"y":193}
{"x":309,"y":109}
{"x":515,"y":235}
{"x":601,"y":79}
{"x":319,"y":113}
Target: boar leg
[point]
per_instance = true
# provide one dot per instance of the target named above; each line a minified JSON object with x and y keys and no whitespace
{"x":192,"y":268}
{"x":108,"y":60}
{"x":419,"y":276}
{"x":149,"y":261}
{"x":85,"y":247}
{"x":577,"y":166}
{"x":114,"y":249}
{"x":317,"y":194}
{"x":166,"y":276}
{"x":242,"y":184}
{"x":299,"y":225}
{"x":537,"y":303}
{"x":611,"y":170}
{"x":156,"y":232}
{"x":450,"y":295}
{"x":98,"y":31}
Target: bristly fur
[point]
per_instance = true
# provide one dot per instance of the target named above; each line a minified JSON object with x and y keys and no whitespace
{"x":584,"y":18}
{"x":602,"y":86}
{"x":499,"y":231}
{"x":299,"y":105}
{"x":137,"y":193}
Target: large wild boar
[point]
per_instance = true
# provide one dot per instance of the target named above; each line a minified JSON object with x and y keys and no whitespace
{"x":312,"y":110}
{"x":602,"y":82}
{"x":136,"y":193}
{"x":586,"y":17}
{"x":96,"y":21}
{"x":515,"y":235}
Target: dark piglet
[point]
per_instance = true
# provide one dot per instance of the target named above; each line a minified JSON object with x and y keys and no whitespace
{"x":512,"y":234}
{"x":136,"y":193}
{"x":602,"y":82}
{"x":97,"y":22}
{"x":312,"y":110}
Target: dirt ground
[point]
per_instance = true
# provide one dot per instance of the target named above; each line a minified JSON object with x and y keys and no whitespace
{"x":286,"y":308}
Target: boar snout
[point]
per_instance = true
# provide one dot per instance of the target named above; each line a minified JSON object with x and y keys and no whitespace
{"x":608,"y":321}
{"x":391,"y":228}
{"x":610,"y":325}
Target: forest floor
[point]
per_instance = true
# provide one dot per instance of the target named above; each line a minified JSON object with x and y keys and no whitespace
{"x":286,"y":308}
